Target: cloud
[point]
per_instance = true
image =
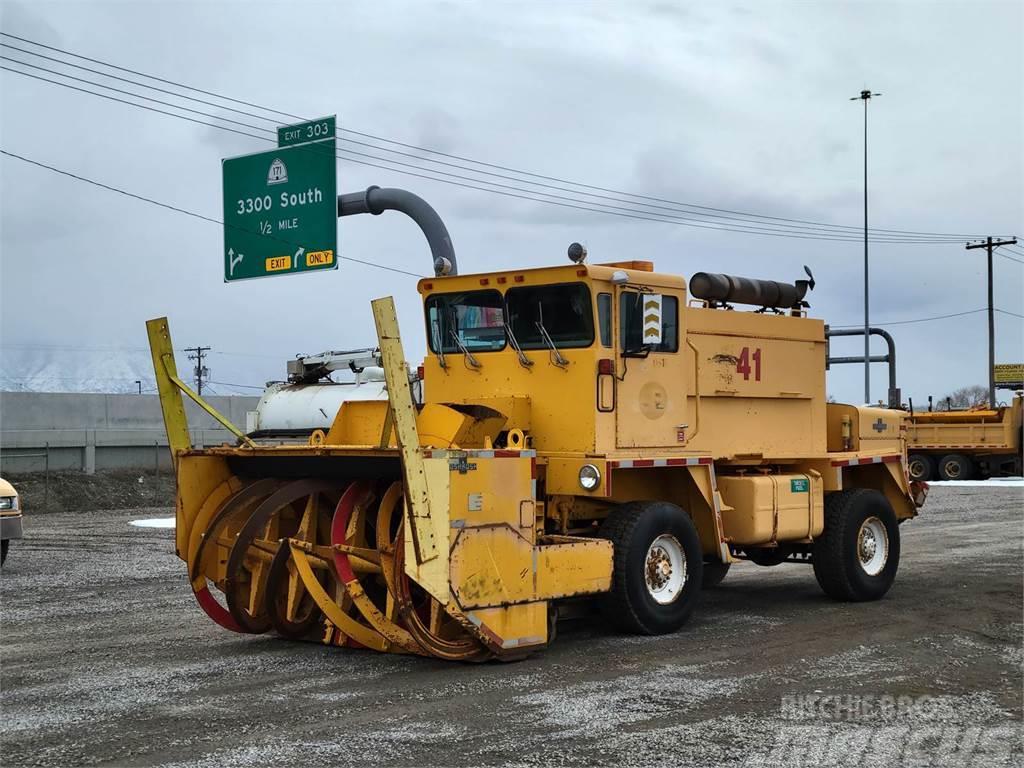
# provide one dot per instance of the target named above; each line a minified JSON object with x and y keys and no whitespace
{"x":742,"y":107}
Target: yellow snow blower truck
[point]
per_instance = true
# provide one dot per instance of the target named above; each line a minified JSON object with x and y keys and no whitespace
{"x":585,"y":430}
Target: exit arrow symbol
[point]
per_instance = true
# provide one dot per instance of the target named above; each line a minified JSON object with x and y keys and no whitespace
{"x":298,"y":253}
{"x":233,"y":261}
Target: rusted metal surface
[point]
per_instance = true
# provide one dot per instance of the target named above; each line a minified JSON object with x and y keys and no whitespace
{"x":249,"y":561}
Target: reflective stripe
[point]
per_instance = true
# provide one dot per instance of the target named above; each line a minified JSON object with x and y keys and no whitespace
{"x":689,"y":461}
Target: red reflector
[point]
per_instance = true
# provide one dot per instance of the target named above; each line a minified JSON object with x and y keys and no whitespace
{"x":606,"y":366}
{"x":502,"y":280}
{"x":485,"y":281}
{"x":581,"y":273}
{"x":419,"y":372}
{"x":519,"y":278}
{"x":428,"y":286}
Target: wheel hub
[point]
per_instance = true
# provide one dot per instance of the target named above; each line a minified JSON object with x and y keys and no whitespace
{"x":665,"y":569}
{"x":659,"y":568}
{"x":868,"y":545}
{"x":872,"y":546}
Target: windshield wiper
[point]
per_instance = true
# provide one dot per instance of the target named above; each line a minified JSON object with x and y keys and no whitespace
{"x":439,"y":343}
{"x":523,"y":359}
{"x":556,"y":356}
{"x":471,"y":361}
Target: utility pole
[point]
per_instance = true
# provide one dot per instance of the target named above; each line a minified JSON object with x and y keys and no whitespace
{"x":989,"y":245}
{"x":139,"y":383}
{"x":200,"y":370}
{"x":865,"y":96}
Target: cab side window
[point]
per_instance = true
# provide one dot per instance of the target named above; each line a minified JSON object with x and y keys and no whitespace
{"x":604,"y":318}
{"x":631,"y":324}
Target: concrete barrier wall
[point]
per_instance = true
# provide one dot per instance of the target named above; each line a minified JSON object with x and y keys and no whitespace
{"x":91,"y":431}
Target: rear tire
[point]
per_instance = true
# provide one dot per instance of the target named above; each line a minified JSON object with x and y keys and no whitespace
{"x":714,"y":572}
{"x":856,"y":556}
{"x":956,"y":466}
{"x":658,"y":567}
{"x":921,"y":467}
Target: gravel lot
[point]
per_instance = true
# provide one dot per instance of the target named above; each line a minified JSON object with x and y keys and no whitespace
{"x":105,"y":659}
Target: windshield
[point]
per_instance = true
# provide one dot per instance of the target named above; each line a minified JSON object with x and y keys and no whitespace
{"x":564,"y":311}
{"x":476,"y":318}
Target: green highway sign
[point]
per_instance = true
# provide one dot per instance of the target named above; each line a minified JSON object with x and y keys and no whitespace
{"x":302,"y":133}
{"x":281,"y":211}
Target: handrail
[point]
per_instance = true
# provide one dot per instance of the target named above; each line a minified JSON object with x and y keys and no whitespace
{"x":696,"y":389}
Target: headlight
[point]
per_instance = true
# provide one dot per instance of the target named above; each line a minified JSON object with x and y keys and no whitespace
{"x":590,"y":476}
{"x":8,"y":502}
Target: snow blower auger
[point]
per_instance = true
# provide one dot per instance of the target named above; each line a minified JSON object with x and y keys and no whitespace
{"x":579,"y":430}
{"x":385,"y":532}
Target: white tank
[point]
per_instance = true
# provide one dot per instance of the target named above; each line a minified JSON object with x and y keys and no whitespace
{"x":312,"y":406}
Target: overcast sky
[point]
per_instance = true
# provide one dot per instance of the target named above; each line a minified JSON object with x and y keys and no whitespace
{"x":738,"y":106}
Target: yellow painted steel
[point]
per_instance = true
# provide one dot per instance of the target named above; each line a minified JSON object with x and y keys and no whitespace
{"x":335,"y":614}
{"x":175,"y":422}
{"x":224,"y":422}
{"x":431,"y":574}
{"x":191,"y":530}
{"x":765,"y":508}
{"x":199,"y":478}
{"x":972,"y":431}
{"x":473,"y":517}
{"x":572,"y":565}
{"x":403,"y":411}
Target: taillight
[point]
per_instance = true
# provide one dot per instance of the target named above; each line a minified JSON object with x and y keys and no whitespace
{"x":606,"y":366}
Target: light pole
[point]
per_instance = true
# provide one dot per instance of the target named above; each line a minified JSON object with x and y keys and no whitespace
{"x":865,"y":96}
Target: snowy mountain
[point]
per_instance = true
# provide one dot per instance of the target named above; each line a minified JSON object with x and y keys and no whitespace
{"x":75,"y":370}
{"x":25,"y":368}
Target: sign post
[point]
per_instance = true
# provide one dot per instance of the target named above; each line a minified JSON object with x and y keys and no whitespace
{"x":280,"y":206}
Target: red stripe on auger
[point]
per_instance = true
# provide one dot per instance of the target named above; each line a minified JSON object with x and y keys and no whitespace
{"x":339,"y":526}
{"x":215,"y":610}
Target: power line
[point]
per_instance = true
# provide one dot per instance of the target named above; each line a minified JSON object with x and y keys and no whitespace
{"x":604,"y":208}
{"x":1011,"y":314}
{"x":815,"y":226}
{"x":241,"y":386}
{"x":916,"y":320}
{"x":413,"y":146}
{"x":175,"y":208}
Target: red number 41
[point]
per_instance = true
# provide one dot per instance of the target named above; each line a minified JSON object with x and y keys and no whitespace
{"x":743,"y":364}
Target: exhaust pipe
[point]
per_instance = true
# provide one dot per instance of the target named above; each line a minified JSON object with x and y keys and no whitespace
{"x":376,"y":200}
{"x":722,"y":289}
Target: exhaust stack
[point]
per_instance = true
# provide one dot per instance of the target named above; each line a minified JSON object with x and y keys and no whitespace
{"x":723,"y":289}
{"x":376,"y":200}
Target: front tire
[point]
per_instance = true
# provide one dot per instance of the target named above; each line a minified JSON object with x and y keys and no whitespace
{"x":956,"y":467}
{"x":4,"y":544}
{"x":856,"y":557}
{"x":921,"y":467}
{"x":658,"y":567}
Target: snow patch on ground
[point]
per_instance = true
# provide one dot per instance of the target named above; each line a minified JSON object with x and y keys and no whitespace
{"x":992,"y":482}
{"x":153,"y":522}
